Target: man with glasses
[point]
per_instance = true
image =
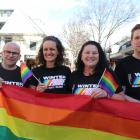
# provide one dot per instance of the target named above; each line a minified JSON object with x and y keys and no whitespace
{"x":9,"y":71}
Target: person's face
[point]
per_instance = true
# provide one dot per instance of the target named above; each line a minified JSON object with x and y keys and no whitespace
{"x":50,"y":51}
{"x":10,"y":55}
{"x":135,"y":41}
{"x":90,"y":56}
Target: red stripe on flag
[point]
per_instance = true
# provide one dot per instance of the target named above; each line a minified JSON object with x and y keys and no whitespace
{"x":74,"y":102}
{"x":64,"y":117}
{"x":109,"y":76}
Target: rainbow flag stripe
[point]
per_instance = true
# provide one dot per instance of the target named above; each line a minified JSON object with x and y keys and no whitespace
{"x":79,"y":91}
{"x":26,"y":73}
{"x":47,"y":82}
{"x":57,"y":117}
{"x":137,"y":81}
{"x":108,"y":83}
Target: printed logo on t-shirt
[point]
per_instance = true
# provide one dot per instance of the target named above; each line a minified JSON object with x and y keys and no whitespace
{"x":54,"y":81}
{"x":84,"y":89}
{"x":134,"y":79}
{"x":14,"y":83}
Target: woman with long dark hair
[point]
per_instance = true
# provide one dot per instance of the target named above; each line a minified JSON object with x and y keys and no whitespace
{"x":53,"y":75}
{"x":90,"y":66}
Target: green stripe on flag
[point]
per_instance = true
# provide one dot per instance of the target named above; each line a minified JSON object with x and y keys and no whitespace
{"x":6,"y":134}
{"x":36,"y":131}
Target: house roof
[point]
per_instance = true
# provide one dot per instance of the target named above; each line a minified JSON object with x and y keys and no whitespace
{"x":19,"y":23}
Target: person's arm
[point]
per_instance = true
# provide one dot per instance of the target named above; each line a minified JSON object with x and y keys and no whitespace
{"x":130,"y":99}
{"x":99,"y":93}
{"x":41,"y":87}
{"x":119,"y":92}
{"x":32,"y":82}
{"x":1,"y":82}
{"x":119,"y":70}
{"x":124,"y":97}
{"x":118,"y":96}
{"x":32,"y":87}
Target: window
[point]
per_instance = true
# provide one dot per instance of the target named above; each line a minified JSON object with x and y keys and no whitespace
{"x":32,"y":45}
{"x":1,"y":24}
{"x":8,"y":39}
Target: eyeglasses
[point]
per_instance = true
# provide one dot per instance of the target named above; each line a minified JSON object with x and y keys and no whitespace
{"x":15,"y":54}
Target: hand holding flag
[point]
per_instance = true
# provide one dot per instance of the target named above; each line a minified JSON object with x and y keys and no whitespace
{"x":26,"y":73}
{"x":108,"y":83}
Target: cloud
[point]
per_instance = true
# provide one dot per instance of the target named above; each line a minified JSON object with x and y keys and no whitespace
{"x":52,"y":13}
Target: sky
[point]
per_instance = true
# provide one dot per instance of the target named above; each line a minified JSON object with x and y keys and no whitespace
{"x":53,"y":14}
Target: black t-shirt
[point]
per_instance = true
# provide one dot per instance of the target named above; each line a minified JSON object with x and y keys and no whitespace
{"x":57,"y":79}
{"x":128,"y":72}
{"x":11,"y":77}
{"x":85,"y":85}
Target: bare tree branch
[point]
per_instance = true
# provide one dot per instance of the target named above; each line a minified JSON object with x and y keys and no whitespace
{"x":105,"y":17}
{"x":74,"y":35}
{"x":99,"y":20}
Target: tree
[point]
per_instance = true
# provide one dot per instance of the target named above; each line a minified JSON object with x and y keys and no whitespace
{"x":103,"y":17}
{"x":74,"y":35}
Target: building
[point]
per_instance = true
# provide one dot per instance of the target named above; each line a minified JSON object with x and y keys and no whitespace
{"x":22,"y":29}
{"x":124,"y":50}
{"x":4,"y":15}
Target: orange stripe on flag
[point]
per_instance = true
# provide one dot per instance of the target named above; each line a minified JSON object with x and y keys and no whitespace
{"x":66,"y":117}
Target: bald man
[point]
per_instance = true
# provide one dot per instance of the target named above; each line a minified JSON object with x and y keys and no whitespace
{"x":9,"y":71}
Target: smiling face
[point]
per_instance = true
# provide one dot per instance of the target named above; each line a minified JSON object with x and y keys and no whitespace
{"x":90,"y":56}
{"x":50,"y":51}
{"x":135,"y":41}
{"x":10,"y":54}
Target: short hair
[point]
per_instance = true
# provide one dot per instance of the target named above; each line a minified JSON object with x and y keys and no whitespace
{"x":60,"y":58}
{"x":102,"y":64}
{"x":12,"y":44}
{"x":136,"y":27}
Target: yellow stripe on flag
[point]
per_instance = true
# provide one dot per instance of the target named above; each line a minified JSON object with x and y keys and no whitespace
{"x":35,"y":131}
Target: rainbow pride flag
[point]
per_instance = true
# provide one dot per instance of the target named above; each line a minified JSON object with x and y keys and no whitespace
{"x":26,"y":73}
{"x":79,"y":91}
{"x":28,"y":115}
{"x":108,"y":83}
{"x":83,"y":91}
